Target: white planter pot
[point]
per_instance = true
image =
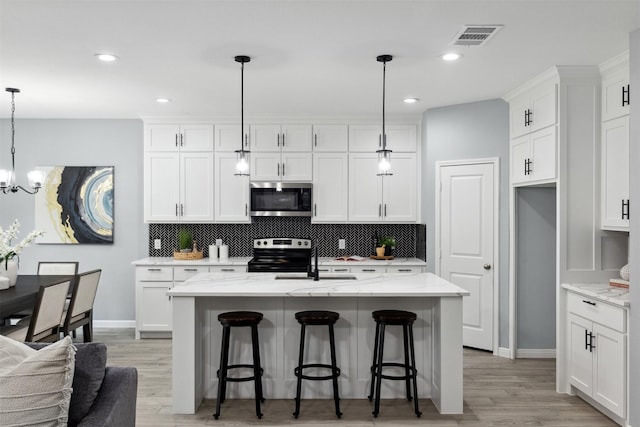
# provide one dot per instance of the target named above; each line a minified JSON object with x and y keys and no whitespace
{"x":9,"y":269}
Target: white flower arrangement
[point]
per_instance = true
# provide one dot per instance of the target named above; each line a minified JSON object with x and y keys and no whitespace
{"x":7,"y":251}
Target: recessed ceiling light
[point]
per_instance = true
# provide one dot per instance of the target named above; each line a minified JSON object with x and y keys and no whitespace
{"x":451,"y":56}
{"x":411,"y":100}
{"x":162,"y":100}
{"x":106,"y":57}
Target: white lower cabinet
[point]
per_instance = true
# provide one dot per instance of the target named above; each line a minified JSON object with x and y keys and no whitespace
{"x":597,"y":351}
{"x":153,"y":306}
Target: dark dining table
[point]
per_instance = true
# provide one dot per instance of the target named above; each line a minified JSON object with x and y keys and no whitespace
{"x":23,"y":295}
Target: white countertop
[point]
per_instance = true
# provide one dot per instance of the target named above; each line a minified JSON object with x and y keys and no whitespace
{"x":365,"y":285}
{"x":324,"y":261}
{"x":601,"y":291}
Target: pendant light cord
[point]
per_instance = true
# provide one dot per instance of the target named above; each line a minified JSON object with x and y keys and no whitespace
{"x":384,"y":134}
{"x":242,"y":106}
{"x":13,"y":133}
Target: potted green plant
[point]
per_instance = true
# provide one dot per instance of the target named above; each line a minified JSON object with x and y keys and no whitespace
{"x":185,"y":240}
{"x":388,"y":243}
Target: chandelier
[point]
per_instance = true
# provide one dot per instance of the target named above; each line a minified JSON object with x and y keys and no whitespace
{"x":8,"y":177}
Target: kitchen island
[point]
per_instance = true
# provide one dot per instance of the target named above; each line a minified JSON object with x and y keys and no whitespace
{"x":196,"y":333}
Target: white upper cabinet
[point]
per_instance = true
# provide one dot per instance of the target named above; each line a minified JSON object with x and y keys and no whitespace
{"x":281,"y":138}
{"x":534,"y":110}
{"x":330,"y":138}
{"x":286,"y":167}
{"x":232,"y":191}
{"x":330,"y":187}
{"x":533,"y":157}
{"x":374,"y":198}
{"x":228,"y":138}
{"x":614,"y":185}
{"x":178,"y":187}
{"x":368,"y":137}
{"x":178,"y":137}
{"x":614,"y":198}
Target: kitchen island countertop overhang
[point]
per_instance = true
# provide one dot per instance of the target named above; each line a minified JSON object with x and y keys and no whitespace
{"x":330,"y":284}
{"x":438,"y":331}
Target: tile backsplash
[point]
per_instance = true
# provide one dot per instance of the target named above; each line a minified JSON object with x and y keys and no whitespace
{"x":410,"y":238}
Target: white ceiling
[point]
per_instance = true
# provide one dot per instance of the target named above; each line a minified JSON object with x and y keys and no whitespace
{"x":309,"y":57}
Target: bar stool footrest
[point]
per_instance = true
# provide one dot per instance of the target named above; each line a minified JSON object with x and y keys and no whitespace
{"x":240,"y":379}
{"x":413,"y":374}
{"x":335,"y":372}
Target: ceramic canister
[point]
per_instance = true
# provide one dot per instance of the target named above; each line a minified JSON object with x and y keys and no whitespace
{"x":224,"y":252}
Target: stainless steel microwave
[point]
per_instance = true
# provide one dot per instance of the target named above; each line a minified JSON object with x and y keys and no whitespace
{"x":280,"y":199}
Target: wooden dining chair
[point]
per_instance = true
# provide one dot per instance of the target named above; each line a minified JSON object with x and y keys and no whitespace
{"x":80,"y":310}
{"x":44,"y":323}
{"x":57,"y":268}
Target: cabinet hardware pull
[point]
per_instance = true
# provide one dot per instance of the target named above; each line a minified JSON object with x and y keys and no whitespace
{"x":625,"y":209}
{"x":278,"y":169}
{"x":227,"y":269}
{"x":315,"y":140}
{"x":246,"y":140}
{"x":404,"y":270}
{"x":315,"y":209}
{"x":176,"y":139}
{"x":380,"y":140}
{"x":181,"y":209}
{"x":588,"y":302}
{"x":586,"y":340}
{"x":190,"y":269}
{"x":369,"y":270}
{"x":278,"y":140}
{"x":385,"y":210}
{"x":340,"y":269}
{"x":181,"y":140}
{"x":283,"y":163}
{"x":379,"y":210}
{"x":176,"y":209}
{"x":283,"y":139}
{"x":591,"y":346}
{"x":626,"y":95}
{"x":154,"y":269}
{"x":246,"y":209}
{"x":526,"y":115}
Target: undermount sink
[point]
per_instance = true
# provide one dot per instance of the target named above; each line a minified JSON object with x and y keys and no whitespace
{"x":325,"y":276}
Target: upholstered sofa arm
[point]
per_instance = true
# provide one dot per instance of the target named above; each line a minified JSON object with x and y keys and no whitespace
{"x":116,"y":401}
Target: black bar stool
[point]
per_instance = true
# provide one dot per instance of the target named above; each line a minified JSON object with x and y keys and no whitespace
{"x":404,"y":319}
{"x":234,"y":319}
{"x":328,"y":318}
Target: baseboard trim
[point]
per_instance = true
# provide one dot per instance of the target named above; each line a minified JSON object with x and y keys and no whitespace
{"x":504,"y":352}
{"x":536,"y":353}
{"x":114,"y":323}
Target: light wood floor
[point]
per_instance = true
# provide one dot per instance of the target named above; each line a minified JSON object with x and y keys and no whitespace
{"x":497,"y":392}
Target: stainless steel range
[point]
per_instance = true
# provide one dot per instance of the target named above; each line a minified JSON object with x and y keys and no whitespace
{"x":280,"y":255}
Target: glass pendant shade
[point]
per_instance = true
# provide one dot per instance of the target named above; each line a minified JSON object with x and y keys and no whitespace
{"x":242,"y":163}
{"x":6,"y":179}
{"x":384,"y":162}
{"x":36,"y":178}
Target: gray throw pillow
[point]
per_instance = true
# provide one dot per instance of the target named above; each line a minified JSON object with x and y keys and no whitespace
{"x":91,"y":361}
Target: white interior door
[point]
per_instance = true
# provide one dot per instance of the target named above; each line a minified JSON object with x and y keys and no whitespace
{"x":466,"y":224}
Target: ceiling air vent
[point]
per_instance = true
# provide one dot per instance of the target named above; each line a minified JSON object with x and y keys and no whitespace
{"x":474,"y":35}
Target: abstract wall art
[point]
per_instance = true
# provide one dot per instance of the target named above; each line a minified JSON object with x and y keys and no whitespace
{"x":75,"y":205}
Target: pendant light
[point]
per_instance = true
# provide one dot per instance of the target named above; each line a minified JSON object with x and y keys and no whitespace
{"x":242,"y":155}
{"x":8,"y":177}
{"x":384,"y":155}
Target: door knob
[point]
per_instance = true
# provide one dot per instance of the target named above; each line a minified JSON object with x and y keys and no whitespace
{"x":487,"y":266}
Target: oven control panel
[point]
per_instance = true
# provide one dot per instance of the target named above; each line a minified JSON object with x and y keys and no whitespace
{"x":281,"y":243}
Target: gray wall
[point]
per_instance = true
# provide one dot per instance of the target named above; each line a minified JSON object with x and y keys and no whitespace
{"x":469,"y":131}
{"x":535,"y":268}
{"x":115,"y":143}
{"x":634,"y":238}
